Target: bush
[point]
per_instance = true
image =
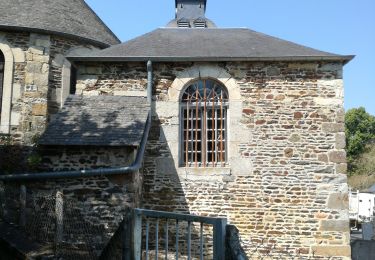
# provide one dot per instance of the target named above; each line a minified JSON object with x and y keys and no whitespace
{"x":359,"y":130}
{"x":362,"y":172}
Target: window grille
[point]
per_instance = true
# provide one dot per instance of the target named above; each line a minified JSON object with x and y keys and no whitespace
{"x":2,"y":63}
{"x":204,"y":107}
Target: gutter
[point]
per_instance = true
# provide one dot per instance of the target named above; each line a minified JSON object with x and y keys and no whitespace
{"x":135,"y":166}
{"x":341,"y":58}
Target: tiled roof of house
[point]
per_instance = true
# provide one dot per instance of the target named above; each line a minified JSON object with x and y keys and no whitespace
{"x":208,"y":44}
{"x":66,"y":17}
{"x":98,"y":121}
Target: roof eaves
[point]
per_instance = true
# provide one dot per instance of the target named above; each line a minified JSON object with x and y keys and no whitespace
{"x":67,"y":144}
{"x":344,"y":58}
{"x":44,"y":31}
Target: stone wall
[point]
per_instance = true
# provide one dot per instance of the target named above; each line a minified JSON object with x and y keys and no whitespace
{"x":35,"y":68}
{"x":60,"y":158}
{"x":286,"y":180}
{"x":93,"y":208}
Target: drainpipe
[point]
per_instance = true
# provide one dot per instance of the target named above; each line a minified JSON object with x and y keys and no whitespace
{"x":149,"y":82}
{"x":135,"y":166}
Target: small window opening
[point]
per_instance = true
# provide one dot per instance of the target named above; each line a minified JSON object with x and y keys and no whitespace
{"x":2,"y":65}
{"x":204,"y":107}
{"x":73,"y":79}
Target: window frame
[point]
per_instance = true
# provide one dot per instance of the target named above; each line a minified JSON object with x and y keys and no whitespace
{"x":223,"y":103}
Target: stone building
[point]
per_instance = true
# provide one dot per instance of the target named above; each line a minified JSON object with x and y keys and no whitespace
{"x":243,"y":125}
{"x":35,"y":38}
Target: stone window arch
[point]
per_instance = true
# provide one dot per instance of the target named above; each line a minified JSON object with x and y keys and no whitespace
{"x":6,"y":91}
{"x":203,"y":122}
{"x":237,"y":133}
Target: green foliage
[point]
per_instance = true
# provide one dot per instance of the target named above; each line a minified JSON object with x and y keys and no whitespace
{"x":359,"y":129}
{"x":363,"y":169}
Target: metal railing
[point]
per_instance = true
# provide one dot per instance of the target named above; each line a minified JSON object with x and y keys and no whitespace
{"x":218,"y":226}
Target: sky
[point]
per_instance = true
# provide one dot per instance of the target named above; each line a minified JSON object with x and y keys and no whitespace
{"x":344,"y":27}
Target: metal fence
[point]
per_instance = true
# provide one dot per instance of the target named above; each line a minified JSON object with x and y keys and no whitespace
{"x":164,"y":228}
{"x":52,"y":220}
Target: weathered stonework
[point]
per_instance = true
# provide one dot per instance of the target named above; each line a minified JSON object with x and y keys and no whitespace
{"x":285,"y":180}
{"x":33,"y":81}
{"x":93,"y":207}
{"x":59,"y":158}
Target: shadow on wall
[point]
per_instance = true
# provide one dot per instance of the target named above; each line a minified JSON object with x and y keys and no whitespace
{"x":163,"y":191}
{"x":93,"y":208}
{"x":162,"y":188}
{"x":60,"y":224}
{"x":90,"y":141}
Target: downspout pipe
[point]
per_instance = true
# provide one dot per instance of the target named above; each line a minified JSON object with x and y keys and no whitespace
{"x":149,"y":81}
{"x":135,"y":166}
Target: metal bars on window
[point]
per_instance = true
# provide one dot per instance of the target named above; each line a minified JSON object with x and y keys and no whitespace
{"x":204,"y":107}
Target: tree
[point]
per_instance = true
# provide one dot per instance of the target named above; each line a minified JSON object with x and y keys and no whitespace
{"x":360,"y":130}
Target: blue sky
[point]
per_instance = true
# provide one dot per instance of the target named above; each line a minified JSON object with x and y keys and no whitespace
{"x":338,"y":26}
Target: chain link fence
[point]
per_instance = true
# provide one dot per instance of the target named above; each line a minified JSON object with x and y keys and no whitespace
{"x":53,"y":220}
{"x":67,"y":230}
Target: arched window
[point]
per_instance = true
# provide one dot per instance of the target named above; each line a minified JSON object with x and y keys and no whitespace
{"x":2,"y":64}
{"x":204,"y":105}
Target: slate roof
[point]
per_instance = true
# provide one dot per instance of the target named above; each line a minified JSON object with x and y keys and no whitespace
{"x":98,"y":121}
{"x":208,"y":44}
{"x":65,"y":17}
